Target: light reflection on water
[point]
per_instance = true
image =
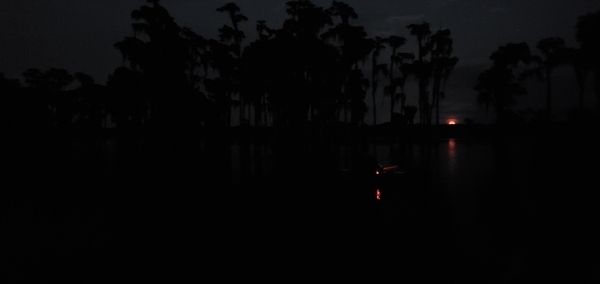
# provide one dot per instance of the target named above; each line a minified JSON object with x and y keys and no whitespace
{"x":476,"y":210}
{"x":458,"y":162}
{"x":452,"y":155}
{"x":448,"y":157}
{"x":455,"y":160}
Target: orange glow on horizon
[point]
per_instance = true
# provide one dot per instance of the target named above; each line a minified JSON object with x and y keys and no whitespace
{"x":451,"y":121}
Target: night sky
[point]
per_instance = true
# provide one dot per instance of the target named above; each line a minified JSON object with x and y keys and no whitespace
{"x":79,"y":35}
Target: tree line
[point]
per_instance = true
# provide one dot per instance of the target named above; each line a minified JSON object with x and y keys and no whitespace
{"x":500,"y":85}
{"x":309,"y":70}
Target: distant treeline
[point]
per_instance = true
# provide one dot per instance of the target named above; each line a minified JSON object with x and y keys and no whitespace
{"x":309,"y":70}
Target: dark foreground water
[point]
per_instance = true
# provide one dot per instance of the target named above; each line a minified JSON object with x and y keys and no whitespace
{"x":515,"y":209}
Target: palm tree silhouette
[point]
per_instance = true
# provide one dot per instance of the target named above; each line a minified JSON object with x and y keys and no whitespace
{"x":219,"y":58}
{"x":404,"y":65}
{"x":443,"y":64}
{"x":422,"y":68}
{"x":234,"y":33}
{"x":497,"y":86}
{"x":395,"y":42}
{"x":377,"y":68}
{"x":228,"y":33}
{"x":163,"y":61}
{"x":197,"y":47}
{"x":587,"y":35}
{"x":343,"y":10}
{"x":254,"y":77}
{"x":553,"y":54}
{"x":133,"y":51}
{"x":354,"y":47}
{"x":299,"y":64}
{"x":581,"y":68}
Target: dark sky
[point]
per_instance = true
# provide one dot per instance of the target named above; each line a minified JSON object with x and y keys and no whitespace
{"x":79,"y":35}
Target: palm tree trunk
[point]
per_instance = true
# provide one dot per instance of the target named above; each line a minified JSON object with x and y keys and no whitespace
{"x":373,"y":87}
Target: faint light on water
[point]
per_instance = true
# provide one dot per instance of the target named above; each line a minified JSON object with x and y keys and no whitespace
{"x":378,"y":194}
{"x":452,"y":148}
{"x":452,"y":155}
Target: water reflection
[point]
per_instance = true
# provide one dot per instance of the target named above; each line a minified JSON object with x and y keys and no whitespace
{"x":467,"y":201}
{"x":452,"y":156}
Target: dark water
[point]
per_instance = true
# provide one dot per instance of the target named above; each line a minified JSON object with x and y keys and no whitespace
{"x":516,"y":210}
